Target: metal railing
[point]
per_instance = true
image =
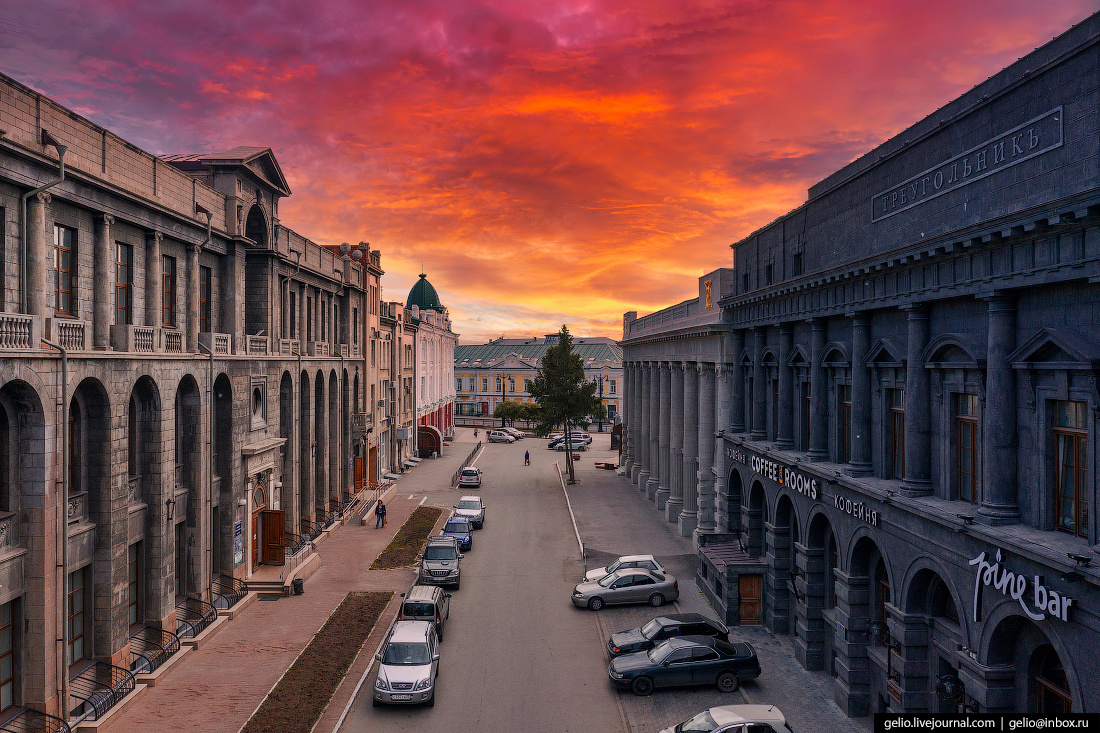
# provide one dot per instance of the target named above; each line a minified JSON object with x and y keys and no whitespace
{"x":29,"y":720}
{"x":465,"y":463}
{"x":310,"y":530}
{"x":227,"y":590}
{"x":100,"y":686}
{"x":294,"y":543}
{"x":192,"y":616}
{"x":150,"y":648}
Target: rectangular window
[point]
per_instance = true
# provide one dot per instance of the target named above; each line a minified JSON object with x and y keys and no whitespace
{"x":355,"y":325}
{"x":745,"y":283}
{"x":511,"y":384}
{"x":124,"y":280}
{"x":805,"y":388}
{"x":774,"y":433}
{"x":769,"y":272}
{"x":527,"y":386}
{"x":76,"y":617}
{"x":169,"y":301}
{"x":845,"y":423}
{"x":7,"y":656}
{"x":966,"y":436}
{"x":65,"y":264}
{"x":178,"y":583}
{"x":205,"y":286}
{"x":458,"y":384}
{"x":309,"y":318}
{"x":1070,"y":468}
{"x":797,"y":265}
{"x":484,"y":384}
{"x":897,"y":433}
{"x":293,"y":315}
{"x":612,"y":390}
{"x":133,"y":583}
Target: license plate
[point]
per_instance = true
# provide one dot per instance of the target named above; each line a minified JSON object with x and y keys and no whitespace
{"x":401,"y":697}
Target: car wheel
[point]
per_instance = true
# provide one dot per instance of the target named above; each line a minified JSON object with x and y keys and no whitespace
{"x":458,"y":585}
{"x":431,"y":700}
{"x":376,"y":702}
{"x":656,"y":600}
{"x":727,"y":682}
{"x":595,"y":604}
{"x":440,"y":632}
{"x":641,"y":686}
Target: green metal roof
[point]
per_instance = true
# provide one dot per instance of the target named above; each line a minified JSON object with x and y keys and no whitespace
{"x":592,"y":353}
{"x":424,"y":296}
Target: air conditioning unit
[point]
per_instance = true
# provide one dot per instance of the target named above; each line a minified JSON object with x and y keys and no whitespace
{"x":381,"y":403}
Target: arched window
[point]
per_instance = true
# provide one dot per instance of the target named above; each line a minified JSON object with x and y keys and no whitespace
{"x":1051,"y":687}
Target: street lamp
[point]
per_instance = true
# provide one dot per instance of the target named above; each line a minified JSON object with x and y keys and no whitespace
{"x":599,"y":410}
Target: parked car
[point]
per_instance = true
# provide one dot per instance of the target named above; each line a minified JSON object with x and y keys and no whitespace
{"x":407,"y":665}
{"x":574,"y":438}
{"x":460,"y":529}
{"x":515,"y":433}
{"x":473,"y":509}
{"x":657,"y":630}
{"x":500,"y":436}
{"x":625,"y":562}
{"x":561,"y":446}
{"x":440,"y":562}
{"x":733,"y":719}
{"x":426,"y":603}
{"x":627,"y":586}
{"x":686,"y":660}
{"x":469,"y":476}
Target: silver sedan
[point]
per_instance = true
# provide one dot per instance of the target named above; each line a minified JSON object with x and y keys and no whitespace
{"x":635,"y":585}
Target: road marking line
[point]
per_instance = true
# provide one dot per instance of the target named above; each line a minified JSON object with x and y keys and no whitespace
{"x":422,"y":500}
{"x":411,"y":496}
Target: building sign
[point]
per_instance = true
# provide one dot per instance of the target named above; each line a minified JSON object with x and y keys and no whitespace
{"x":856,"y":509}
{"x":706,"y":285}
{"x":1044,"y":601}
{"x":1037,"y":136}
{"x":777,"y":472}
{"x":238,"y":543}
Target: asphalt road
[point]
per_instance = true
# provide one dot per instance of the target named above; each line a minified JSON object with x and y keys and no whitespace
{"x":518,"y":656}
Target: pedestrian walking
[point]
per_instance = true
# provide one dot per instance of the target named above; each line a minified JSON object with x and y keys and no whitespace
{"x":475,"y":432}
{"x":380,"y":515}
{"x":527,"y":458}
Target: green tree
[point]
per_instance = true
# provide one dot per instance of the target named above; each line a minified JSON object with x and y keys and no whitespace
{"x":508,"y":410}
{"x":563,"y":394}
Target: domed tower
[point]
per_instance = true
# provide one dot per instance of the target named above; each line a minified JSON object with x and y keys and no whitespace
{"x":434,"y":359}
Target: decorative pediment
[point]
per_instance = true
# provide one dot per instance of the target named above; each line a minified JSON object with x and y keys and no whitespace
{"x":885,"y":353}
{"x":1052,"y":348}
{"x":955,"y":351}
{"x":746,"y":358}
{"x":770,"y":358}
{"x":835,"y":355}
{"x":798,"y":357}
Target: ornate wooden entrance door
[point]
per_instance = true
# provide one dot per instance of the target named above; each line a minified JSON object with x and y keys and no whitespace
{"x":271,"y":522}
{"x":749,"y":587}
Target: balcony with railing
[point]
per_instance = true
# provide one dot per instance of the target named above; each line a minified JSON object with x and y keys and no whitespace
{"x":135,"y":339}
{"x":289,"y":347}
{"x":97,"y":688}
{"x":173,"y":341}
{"x":77,"y":507}
{"x":28,"y":720}
{"x":192,"y":616}
{"x":70,"y":334}
{"x":317,"y":348}
{"x":228,"y":591}
{"x":8,"y":540}
{"x":259,"y":345}
{"x":219,"y":343}
{"x":150,"y":648}
{"x":19,"y":331}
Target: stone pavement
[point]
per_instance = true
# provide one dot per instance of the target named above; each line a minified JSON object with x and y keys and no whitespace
{"x":218,"y":686}
{"x":615,"y":518}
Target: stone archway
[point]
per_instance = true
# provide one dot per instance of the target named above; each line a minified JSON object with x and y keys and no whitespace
{"x":932,"y":624}
{"x":734,"y":491}
{"x":815,"y":593}
{"x":1028,"y":671}
{"x":782,"y":537}
{"x":753,"y":518}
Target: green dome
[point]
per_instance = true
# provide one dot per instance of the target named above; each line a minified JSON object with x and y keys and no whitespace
{"x":423,"y":295}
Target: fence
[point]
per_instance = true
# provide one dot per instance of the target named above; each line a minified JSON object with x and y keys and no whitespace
{"x":469,"y":459}
{"x":486,"y":422}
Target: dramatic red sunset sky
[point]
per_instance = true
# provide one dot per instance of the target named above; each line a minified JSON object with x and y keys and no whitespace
{"x":549,"y":162}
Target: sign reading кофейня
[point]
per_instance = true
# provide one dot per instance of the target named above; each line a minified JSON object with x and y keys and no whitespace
{"x":1037,"y":136}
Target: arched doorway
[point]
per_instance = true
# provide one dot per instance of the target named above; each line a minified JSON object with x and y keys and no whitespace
{"x":428,"y":440}
{"x":929,"y":596}
{"x":221,"y":512}
{"x":734,"y":489}
{"x":1042,"y":683}
{"x":320,"y":447}
{"x":784,"y":568}
{"x":286,"y":462}
{"x":817,"y":593}
{"x":754,"y":517}
{"x":305,"y":468}
{"x":188,"y":474}
{"x":148,"y":602}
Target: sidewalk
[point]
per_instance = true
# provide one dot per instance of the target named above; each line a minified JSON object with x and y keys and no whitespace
{"x":218,"y":686}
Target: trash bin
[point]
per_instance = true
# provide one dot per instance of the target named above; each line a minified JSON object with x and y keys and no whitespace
{"x":299,"y":586}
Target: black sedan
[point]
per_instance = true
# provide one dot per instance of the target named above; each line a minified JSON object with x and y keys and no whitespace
{"x":664,"y":627}
{"x":686,"y":660}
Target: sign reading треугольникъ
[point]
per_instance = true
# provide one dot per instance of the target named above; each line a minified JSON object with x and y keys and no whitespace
{"x":985,"y":721}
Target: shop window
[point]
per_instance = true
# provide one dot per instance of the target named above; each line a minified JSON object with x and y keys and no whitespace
{"x":124,"y":283}
{"x":1070,"y":471}
{"x":966,"y":437}
{"x":169,"y":275}
{"x":897,"y":434}
{"x":65,"y":265}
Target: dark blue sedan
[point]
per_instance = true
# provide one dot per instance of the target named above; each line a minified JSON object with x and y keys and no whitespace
{"x":459,"y":528}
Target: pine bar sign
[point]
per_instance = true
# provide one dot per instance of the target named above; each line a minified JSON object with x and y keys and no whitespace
{"x":1011,"y":584}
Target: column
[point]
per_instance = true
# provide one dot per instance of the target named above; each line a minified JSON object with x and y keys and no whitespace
{"x":785,"y":429}
{"x":192,"y":297}
{"x":707,"y":411}
{"x":861,"y":396}
{"x":302,"y":331}
{"x":154,"y":276}
{"x":664,"y":429}
{"x":723,"y":382}
{"x":819,"y":439}
{"x":627,"y":412}
{"x":103,"y":247}
{"x":759,"y":387}
{"x":687,"y":515}
{"x":653,"y":412}
{"x":737,"y":384}
{"x":637,"y":424}
{"x":917,"y":439}
{"x":999,"y":449}
{"x":39,"y":260}
{"x":672,"y":502}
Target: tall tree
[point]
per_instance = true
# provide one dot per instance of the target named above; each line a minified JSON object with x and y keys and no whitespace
{"x":561,"y":391}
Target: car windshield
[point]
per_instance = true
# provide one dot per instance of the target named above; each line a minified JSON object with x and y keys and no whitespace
{"x":701,"y":723}
{"x":440,"y":553}
{"x":407,"y":653}
{"x":607,"y":580}
{"x":650,"y":629}
{"x":614,"y":566}
{"x":459,"y":527}
{"x":469,"y":505}
{"x":658,"y":653}
{"x":418,"y":609}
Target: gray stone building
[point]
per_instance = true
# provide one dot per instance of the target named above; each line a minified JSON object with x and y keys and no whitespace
{"x":179,"y":379}
{"x":906,"y":443}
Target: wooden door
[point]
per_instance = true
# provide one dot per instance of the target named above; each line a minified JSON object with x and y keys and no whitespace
{"x":255,"y":539}
{"x":752,"y":607}
{"x":358,"y":473}
{"x":271,"y":521}
{"x":372,"y":465}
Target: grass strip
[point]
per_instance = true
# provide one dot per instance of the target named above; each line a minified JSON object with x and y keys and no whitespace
{"x":304,"y":691}
{"x":406,"y":545}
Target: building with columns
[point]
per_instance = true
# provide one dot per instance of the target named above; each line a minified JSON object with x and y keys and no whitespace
{"x":179,"y":378}
{"x":906,"y":442}
{"x":433,"y":381}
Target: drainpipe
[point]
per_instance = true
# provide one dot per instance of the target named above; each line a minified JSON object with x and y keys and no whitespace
{"x":24,"y":295}
{"x":210,"y":478}
{"x":64,"y":527}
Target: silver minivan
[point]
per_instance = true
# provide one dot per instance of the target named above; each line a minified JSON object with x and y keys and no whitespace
{"x":407,"y":665}
{"x":426,"y":603}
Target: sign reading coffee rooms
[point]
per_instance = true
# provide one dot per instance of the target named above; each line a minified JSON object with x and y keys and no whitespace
{"x":1037,"y":136}
{"x":802,"y":483}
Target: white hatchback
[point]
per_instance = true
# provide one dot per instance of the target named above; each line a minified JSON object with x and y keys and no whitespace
{"x":625,"y":562}
{"x":469,"y":476}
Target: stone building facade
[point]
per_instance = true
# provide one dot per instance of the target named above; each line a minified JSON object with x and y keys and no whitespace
{"x":906,"y":455}
{"x":399,"y":330}
{"x":179,"y":377}
{"x":433,"y":355}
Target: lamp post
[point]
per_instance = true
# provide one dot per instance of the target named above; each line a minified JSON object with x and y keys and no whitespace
{"x":599,"y":410}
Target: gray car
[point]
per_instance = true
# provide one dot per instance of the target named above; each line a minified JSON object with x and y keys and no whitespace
{"x":627,"y":586}
{"x":407,"y":665}
{"x":439,"y":563}
{"x":472,"y":508}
